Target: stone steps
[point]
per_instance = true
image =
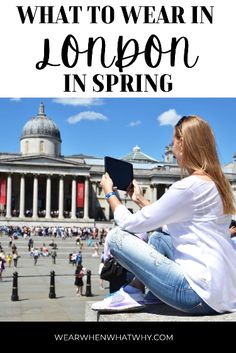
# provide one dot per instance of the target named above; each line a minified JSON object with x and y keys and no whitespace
{"x":153,"y":313}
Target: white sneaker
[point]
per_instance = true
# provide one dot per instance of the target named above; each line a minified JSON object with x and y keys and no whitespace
{"x":120,"y":301}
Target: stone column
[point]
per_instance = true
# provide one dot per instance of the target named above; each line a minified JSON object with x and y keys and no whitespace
{"x":61,"y":197}
{"x":48,"y":197}
{"x":94,"y":199}
{"x":9,"y":193}
{"x":35,"y":197}
{"x":154,"y":192}
{"x":73,"y":199}
{"x":86,"y":199}
{"x":22,"y":196}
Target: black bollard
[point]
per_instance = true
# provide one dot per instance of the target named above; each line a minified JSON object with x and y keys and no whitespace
{"x":52,"y":293}
{"x":88,"y":292}
{"x":14,"y":296}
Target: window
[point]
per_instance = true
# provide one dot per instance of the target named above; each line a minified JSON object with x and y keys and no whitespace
{"x":41,"y":147}
{"x":26,"y":146}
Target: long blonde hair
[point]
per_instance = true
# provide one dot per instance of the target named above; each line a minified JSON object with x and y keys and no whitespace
{"x":200,"y":154}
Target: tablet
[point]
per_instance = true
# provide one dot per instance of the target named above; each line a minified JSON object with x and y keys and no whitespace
{"x":121,"y":172}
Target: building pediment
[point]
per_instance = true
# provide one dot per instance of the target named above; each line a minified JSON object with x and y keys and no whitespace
{"x":42,"y":161}
{"x":229,"y":168}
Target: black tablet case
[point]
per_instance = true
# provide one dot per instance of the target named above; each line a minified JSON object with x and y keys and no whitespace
{"x":121,"y":172}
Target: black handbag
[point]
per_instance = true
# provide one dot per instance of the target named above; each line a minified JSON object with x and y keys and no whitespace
{"x":112,"y":270}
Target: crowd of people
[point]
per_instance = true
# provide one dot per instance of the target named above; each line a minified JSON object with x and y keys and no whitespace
{"x":90,"y":237}
{"x":7,"y":258}
{"x":41,"y":213}
{"x":83,"y":233}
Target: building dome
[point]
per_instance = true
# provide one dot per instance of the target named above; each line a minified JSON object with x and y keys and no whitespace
{"x":41,"y":126}
{"x":40,"y":136}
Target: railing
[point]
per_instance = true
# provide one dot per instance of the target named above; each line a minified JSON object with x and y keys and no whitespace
{"x":52,"y":289}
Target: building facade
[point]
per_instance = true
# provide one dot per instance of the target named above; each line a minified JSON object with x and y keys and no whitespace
{"x":39,"y":186}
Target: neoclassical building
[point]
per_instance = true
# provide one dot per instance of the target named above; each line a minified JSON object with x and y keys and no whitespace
{"x":39,"y":186}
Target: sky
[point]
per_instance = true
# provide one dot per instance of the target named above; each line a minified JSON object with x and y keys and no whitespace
{"x":113,"y":126}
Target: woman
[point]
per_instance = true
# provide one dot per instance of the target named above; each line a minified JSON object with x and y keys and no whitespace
{"x":2,"y":265}
{"x":79,"y":274}
{"x":186,"y":266}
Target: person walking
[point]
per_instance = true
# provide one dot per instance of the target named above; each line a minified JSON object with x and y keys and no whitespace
{"x":79,"y":274}
{"x":15,"y":257}
{"x":9,"y":259}
{"x":30,"y":244}
{"x":54,"y":255}
{"x":35,"y":254}
{"x":2,"y":265}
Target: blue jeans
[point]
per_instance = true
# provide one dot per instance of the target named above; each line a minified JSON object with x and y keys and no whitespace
{"x":152,"y":264}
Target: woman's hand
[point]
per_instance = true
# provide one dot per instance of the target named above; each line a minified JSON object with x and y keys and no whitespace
{"x":136,"y":194}
{"x":106,"y":183}
{"x":107,"y":186}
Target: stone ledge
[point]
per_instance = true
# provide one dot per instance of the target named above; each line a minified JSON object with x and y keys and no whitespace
{"x":153,"y":313}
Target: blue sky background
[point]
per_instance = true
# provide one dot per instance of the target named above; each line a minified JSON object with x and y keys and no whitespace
{"x":113,"y":126}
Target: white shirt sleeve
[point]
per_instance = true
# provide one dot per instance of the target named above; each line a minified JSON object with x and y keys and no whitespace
{"x":175,"y":206}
